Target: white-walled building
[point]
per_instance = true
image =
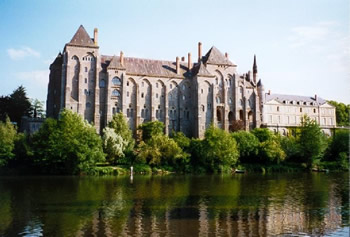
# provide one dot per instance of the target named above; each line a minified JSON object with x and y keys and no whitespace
{"x":281,"y":112}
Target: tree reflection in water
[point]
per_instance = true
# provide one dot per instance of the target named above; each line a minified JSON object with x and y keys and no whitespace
{"x":252,"y":204}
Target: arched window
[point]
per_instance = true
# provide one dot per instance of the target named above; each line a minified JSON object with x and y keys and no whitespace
{"x":102,"y":83}
{"x":230,"y":101}
{"x":216,"y":81}
{"x":88,"y":105}
{"x":116,"y":81}
{"x":116,"y":93}
{"x":203,"y":108}
{"x":218,"y":100}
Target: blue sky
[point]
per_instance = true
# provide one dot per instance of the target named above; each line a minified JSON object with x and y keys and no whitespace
{"x":302,"y":46}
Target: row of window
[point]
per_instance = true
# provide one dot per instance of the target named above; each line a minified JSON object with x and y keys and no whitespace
{"x":296,"y":120}
{"x":298,"y":102}
{"x":295,"y":110}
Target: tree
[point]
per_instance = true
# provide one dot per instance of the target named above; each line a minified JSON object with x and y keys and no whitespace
{"x":342,"y":113}
{"x":19,"y":105}
{"x":248,"y":145}
{"x":121,"y":128}
{"x":113,"y":145}
{"x":338,"y":149}
{"x":290,"y":147}
{"x":161,"y":150}
{"x":69,"y":145}
{"x":150,"y":129}
{"x":270,"y":150}
{"x":311,"y":140}
{"x":219,"y":149}
{"x":7,"y":141}
{"x":36,"y":109}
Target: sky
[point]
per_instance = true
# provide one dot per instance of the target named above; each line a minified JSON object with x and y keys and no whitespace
{"x":302,"y":46}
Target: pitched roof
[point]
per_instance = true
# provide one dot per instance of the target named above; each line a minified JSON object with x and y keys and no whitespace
{"x":200,"y":70}
{"x":214,"y":56}
{"x":82,"y":38}
{"x":280,"y":98}
{"x":146,"y":67}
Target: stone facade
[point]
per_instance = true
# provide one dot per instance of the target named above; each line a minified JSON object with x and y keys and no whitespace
{"x":185,"y":96}
{"x":282,"y":113}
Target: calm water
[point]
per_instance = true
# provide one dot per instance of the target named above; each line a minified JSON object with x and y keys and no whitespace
{"x":237,"y":205}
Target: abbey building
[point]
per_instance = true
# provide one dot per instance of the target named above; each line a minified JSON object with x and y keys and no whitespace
{"x":187,"y":94}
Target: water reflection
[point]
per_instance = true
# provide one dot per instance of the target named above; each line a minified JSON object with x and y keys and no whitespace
{"x":239,"y":205}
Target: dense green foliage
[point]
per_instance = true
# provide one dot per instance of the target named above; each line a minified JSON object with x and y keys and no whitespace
{"x":218,"y":150}
{"x":151,"y":129}
{"x":15,"y":105}
{"x":67,"y":146}
{"x":118,"y":142}
{"x":70,"y":145}
{"x":269,"y":149}
{"x":342,"y":113}
{"x":338,"y":149}
{"x":248,"y":146}
{"x":311,"y":140}
{"x":7,"y":141}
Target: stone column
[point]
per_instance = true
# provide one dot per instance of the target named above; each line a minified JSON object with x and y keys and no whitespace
{"x":166,"y":108}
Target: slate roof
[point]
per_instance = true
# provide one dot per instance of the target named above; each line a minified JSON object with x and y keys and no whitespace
{"x":214,"y":56}
{"x":200,"y":70}
{"x":82,"y":38}
{"x":280,"y":98}
{"x":146,"y":67}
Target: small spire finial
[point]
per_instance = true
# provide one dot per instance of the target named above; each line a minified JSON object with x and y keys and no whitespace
{"x":255,"y":67}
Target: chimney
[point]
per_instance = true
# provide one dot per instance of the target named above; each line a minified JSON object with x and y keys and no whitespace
{"x":199,"y":51}
{"x":189,"y":61}
{"x":122,"y":58}
{"x":226,"y":55}
{"x":95,"y":36}
{"x":269,"y":92}
{"x":182,"y":59}
{"x":177,"y":65}
{"x":316,"y":97}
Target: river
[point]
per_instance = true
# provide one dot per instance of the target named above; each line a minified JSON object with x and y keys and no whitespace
{"x":311,"y":204}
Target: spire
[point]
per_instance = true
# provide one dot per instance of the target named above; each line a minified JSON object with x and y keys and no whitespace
{"x":255,"y":67}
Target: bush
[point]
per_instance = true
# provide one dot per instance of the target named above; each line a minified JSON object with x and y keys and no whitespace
{"x":248,"y":146}
{"x":151,"y":129}
{"x":311,"y":140}
{"x":7,"y":141}
{"x":218,"y":149}
{"x":67,"y":146}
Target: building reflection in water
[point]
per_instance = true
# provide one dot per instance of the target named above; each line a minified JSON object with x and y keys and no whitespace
{"x":170,"y":206}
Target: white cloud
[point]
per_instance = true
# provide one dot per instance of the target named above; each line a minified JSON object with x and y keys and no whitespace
{"x":39,"y":77}
{"x":306,"y":35}
{"x":23,"y":52}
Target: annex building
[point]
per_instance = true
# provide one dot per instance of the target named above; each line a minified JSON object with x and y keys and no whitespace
{"x":186,"y":94}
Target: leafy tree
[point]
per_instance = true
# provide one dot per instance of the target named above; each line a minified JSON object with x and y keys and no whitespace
{"x":342,"y":113}
{"x":114,"y":145}
{"x":338,"y":149}
{"x":270,"y":149}
{"x":150,"y":129}
{"x":248,"y":145}
{"x":161,"y":150}
{"x":219,"y":149}
{"x":7,"y":141}
{"x":69,"y":145}
{"x":181,"y":139}
{"x":36,"y":109}
{"x":311,"y":140}
{"x":290,"y":147}
{"x":121,"y":128}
